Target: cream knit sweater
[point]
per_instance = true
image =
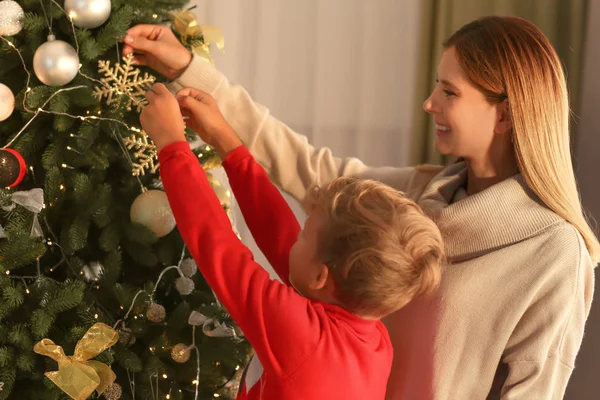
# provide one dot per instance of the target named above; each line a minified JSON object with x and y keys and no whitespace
{"x":509,"y":318}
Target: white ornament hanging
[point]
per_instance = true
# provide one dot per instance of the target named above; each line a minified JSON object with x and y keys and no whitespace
{"x":55,"y":62}
{"x":88,"y":14}
{"x":188,"y":267}
{"x":11,"y":18}
{"x":7,"y":100}
{"x":156,"y":313}
{"x":152,"y":210}
{"x":184,"y":285}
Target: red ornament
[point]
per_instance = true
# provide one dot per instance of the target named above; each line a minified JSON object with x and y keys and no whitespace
{"x":12,"y":168}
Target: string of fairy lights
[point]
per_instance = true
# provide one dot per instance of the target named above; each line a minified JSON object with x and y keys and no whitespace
{"x":52,"y":240}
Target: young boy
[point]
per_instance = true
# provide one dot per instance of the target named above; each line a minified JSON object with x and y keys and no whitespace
{"x":365,"y":251}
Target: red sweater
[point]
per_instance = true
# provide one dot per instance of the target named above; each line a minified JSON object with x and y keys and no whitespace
{"x":308,"y":350}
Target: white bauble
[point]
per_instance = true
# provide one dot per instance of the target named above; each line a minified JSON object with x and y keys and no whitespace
{"x":11,"y":18}
{"x":7,"y":101}
{"x":88,"y":13}
{"x":152,"y":210}
{"x":55,"y":62}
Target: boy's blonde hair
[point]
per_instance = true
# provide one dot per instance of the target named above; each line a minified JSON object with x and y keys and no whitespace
{"x":380,"y":247}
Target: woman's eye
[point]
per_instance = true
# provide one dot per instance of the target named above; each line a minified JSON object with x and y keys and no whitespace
{"x":449,"y":93}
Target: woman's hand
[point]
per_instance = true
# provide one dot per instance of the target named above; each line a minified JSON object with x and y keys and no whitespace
{"x":157,"y":47}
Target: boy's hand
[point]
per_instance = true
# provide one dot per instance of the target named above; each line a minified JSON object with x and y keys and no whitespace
{"x":157,"y":47}
{"x":206,"y":119}
{"x":161,"y":118}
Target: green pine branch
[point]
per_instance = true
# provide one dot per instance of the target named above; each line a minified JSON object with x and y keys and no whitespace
{"x":63,"y":298}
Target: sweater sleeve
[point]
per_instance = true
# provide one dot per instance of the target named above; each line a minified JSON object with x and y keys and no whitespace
{"x":292,"y":163}
{"x":272,"y":315}
{"x":263,"y":206}
{"x":552,"y":326}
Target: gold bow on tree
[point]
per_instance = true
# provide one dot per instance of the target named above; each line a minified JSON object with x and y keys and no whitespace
{"x":186,"y":24}
{"x":77,"y":375}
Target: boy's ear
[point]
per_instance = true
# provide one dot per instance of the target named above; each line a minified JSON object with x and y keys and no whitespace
{"x":320,"y":277}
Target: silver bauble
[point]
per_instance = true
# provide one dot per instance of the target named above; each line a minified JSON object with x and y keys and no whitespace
{"x":55,"y":62}
{"x":156,"y":313}
{"x":184,"y":285}
{"x":7,"y":100}
{"x":88,"y":13}
{"x":188,"y":267}
{"x":11,"y":18}
{"x":93,"y":271}
{"x":113,"y":392}
{"x":152,"y":210}
{"x":181,"y":353}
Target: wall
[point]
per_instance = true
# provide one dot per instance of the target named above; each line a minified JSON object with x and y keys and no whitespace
{"x":584,"y":382}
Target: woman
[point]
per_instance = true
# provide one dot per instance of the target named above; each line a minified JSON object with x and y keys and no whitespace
{"x":509,"y":317}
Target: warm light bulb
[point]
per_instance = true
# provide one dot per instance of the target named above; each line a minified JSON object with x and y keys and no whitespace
{"x":165,"y":376}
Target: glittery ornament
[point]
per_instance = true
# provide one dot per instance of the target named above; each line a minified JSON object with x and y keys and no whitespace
{"x":93,"y":271}
{"x":11,"y":16}
{"x":156,"y":313}
{"x":55,"y":62}
{"x":152,"y":210}
{"x":123,"y":84}
{"x":7,"y":101}
{"x":145,"y":154}
{"x":126,"y":336}
{"x":12,"y":168}
{"x":113,"y":392}
{"x":88,"y":14}
{"x":188,"y":267}
{"x":184,"y":285}
{"x":181,"y":353}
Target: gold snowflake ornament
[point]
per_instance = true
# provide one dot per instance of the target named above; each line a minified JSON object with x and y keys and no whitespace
{"x":123,"y":82}
{"x":145,"y":154}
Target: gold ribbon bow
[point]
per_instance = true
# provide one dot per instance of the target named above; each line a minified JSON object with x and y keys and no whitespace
{"x":77,"y":375}
{"x":186,"y":24}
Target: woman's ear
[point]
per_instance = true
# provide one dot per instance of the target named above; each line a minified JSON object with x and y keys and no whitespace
{"x":504,"y":123}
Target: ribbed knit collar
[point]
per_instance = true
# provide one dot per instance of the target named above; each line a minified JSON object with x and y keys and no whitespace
{"x":505,"y":213}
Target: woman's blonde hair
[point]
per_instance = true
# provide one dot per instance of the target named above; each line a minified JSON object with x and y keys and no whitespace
{"x":509,"y":58}
{"x":379,"y":246}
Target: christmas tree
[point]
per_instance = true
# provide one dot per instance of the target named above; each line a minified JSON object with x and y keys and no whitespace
{"x":88,"y":246}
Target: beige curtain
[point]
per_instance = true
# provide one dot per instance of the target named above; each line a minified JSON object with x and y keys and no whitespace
{"x":563,"y":21}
